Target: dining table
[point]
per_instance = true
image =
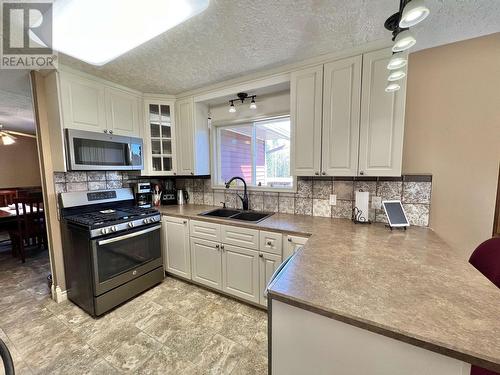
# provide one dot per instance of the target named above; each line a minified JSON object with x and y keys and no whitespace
{"x":8,"y":216}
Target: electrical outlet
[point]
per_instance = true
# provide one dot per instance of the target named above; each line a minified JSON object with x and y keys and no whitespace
{"x":333,"y":199}
{"x":376,"y":202}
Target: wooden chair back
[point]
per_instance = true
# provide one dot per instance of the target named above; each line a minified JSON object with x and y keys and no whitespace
{"x":29,"y":216}
{"x":7,"y":197}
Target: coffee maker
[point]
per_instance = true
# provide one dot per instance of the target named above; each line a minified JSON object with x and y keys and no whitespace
{"x":143,"y":194}
{"x":168,"y":196}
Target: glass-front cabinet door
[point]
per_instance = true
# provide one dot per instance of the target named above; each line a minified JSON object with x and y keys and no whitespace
{"x":161,"y":129}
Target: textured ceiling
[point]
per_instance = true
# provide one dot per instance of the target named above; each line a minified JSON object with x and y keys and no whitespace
{"x":233,"y":37}
{"x":16,"y":111}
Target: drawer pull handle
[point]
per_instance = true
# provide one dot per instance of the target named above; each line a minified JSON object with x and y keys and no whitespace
{"x":269,"y":243}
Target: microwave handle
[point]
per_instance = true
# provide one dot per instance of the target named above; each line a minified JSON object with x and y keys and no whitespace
{"x":126,"y":236}
{"x":129,"y":154}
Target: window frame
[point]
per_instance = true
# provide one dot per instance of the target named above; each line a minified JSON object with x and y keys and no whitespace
{"x":216,"y":155}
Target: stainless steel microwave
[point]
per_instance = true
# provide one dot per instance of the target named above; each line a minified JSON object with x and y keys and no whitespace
{"x":99,"y":151}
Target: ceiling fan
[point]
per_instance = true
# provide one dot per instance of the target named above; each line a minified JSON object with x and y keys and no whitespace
{"x":8,"y":137}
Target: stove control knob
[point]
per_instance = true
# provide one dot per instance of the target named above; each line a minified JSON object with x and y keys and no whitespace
{"x":146,"y":221}
{"x":131,"y":224}
{"x":113,"y":228}
{"x":104,"y":230}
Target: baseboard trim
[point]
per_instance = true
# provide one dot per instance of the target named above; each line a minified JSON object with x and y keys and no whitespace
{"x":58,"y":295}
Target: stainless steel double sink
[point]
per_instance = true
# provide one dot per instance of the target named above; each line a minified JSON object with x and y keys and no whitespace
{"x":226,"y":213}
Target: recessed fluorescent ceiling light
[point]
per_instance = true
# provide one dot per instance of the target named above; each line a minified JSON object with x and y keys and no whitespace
{"x":98,"y":31}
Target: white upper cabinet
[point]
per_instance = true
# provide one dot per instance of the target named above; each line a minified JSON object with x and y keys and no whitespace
{"x":306,"y":88}
{"x":160,"y":138}
{"x":341,"y":107}
{"x":193,"y":156}
{"x":95,"y":105}
{"x":382,"y":119}
{"x":82,"y":102}
{"x":122,"y":111}
{"x":344,"y":122}
{"x":185,"y":120}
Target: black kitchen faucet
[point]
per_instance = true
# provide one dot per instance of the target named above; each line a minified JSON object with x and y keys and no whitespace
{"x":244,"y":199}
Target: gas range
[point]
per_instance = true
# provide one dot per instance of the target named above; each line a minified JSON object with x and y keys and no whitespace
{"x":112,"y":248}
{"x":109,"y":220}
{"x":106,"y":212}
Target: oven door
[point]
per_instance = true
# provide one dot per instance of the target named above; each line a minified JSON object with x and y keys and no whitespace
{"x":97,"y":151}
{"x":120,"y":258}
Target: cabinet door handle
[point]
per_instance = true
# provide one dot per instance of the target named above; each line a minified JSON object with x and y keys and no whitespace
{"x":192,"y":173}
{"x":316,"y":173}
{"x":289,"y":240}
{"x":323,"y":173}
{"x":261,"y":255}
{"x":269,"y":243}
{"x":361,"y":173}
{"x":222,"y":247}
{"x":185,"y":222}
{"x":217,"y":247}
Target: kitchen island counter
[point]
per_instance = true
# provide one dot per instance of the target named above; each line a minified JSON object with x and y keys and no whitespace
{"x":407,"y":285}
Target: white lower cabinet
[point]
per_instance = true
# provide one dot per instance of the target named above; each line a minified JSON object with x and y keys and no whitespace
{"x":240,"y":272}
{"x":177,"y":257}
{"x":235,"y":260}
{"x":206,"y":265}
{"x":268,"y":263}
{"x":292,"y":244}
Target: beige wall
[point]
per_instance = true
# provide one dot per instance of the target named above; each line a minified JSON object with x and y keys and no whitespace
{"x":453,"y":131}
{"x":19,"y":164}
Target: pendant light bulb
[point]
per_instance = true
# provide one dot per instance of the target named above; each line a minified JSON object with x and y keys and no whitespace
{"x":396,"y":75}
{"x":253,"y":105}
{"x":404,"y":40}
{"x":414,"y":12}
{"x":232,"y":108}
{"x":391,"y":87}
{"x":397,"y":61}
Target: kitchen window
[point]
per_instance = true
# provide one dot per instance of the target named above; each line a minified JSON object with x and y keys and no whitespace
{"x":258,"y":151}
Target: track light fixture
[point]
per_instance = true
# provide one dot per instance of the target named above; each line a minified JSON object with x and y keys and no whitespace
{"x":397,"y":61}
{"x":391,"y":87}
{"x":242,"y":96}
{"x":414,"y":12}
{"x":396,"y":75}
{"x":410,"y":13}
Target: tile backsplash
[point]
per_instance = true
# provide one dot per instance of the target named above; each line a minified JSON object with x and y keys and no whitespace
{"x":81,"y":181}
{"x":313,"y":196}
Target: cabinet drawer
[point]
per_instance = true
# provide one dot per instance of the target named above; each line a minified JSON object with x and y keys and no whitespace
{"x":238,"y":236}
{"x":205,"y":230}
{"x":271,"y":242}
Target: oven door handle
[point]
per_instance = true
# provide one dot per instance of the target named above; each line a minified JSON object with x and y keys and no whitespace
{"x":126,"y":236}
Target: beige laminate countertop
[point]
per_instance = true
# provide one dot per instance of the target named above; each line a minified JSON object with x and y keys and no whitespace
{"x":408,"y":285}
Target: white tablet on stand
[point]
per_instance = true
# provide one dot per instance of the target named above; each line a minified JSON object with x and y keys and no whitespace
{"x":396,"y":214}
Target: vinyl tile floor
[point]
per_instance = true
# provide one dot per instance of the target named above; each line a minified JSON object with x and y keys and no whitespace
{"x":174,"y":328}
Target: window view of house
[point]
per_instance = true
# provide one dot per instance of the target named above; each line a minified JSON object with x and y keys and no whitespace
{"x":259,"y":152}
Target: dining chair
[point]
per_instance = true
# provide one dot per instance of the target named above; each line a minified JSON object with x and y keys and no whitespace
{"x":7,"y":197}
{"x":486,"y":259}
{"x":30,"y":225}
